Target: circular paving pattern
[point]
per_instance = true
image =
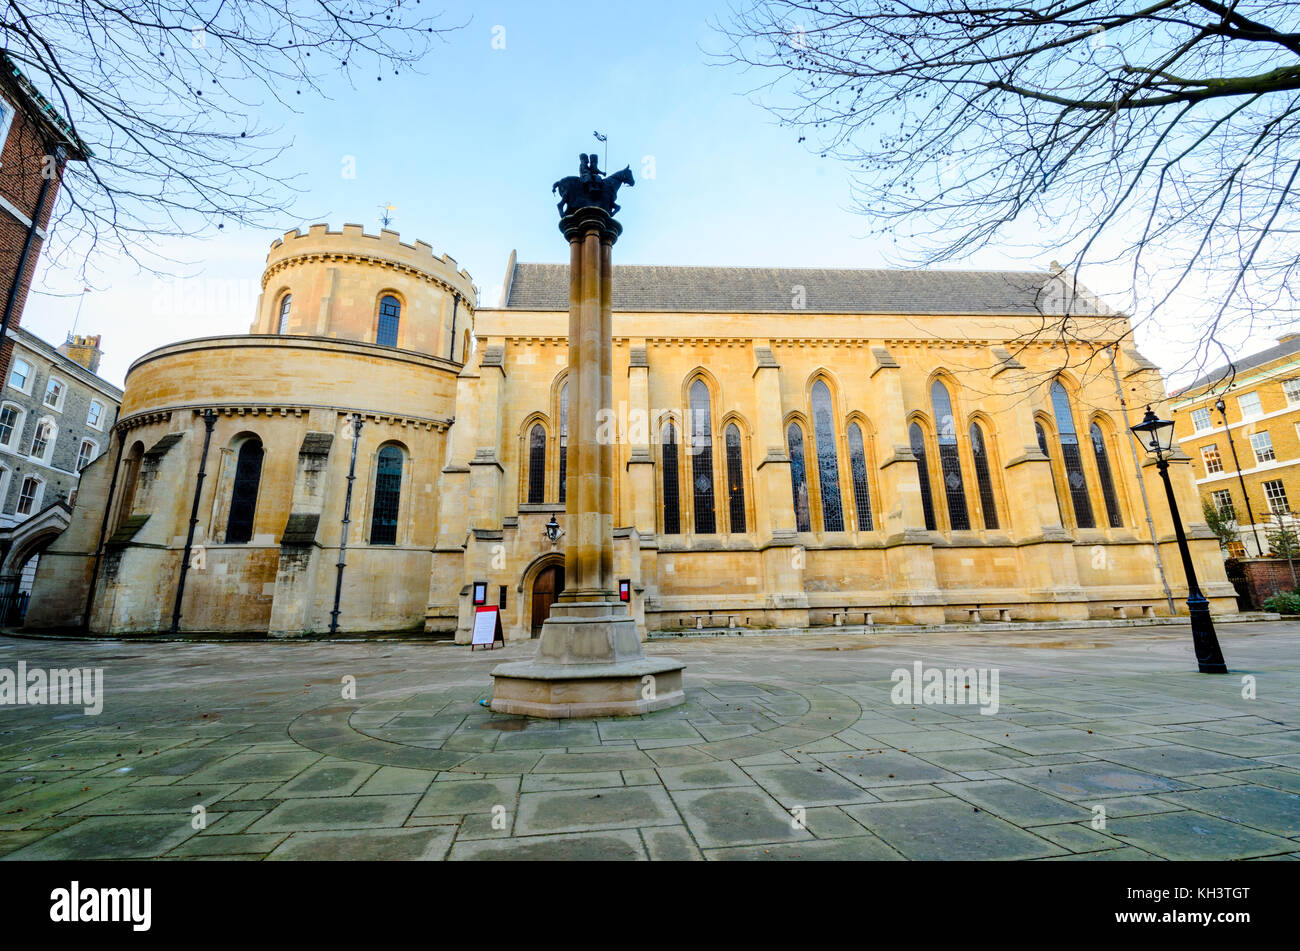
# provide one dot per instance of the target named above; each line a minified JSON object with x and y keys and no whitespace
{"x":446,"y":729}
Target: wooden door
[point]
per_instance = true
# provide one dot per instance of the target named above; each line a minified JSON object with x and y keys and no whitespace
{"x":546,"y":588}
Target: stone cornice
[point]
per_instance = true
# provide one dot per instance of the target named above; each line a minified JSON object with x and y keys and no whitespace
{"x":370,"y":260}
{"x":285,"y":410}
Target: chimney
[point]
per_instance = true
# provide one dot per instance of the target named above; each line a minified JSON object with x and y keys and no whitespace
{"x":84,"y":350}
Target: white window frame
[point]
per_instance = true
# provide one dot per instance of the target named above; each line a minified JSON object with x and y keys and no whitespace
{"x":26,"y":388}
{"x":1288,"y":386}
{"x":6,"y":122}
{"x":17,"y":436}
{"x":103,"y":408}
{"x":37,"y":497}
{"x":94,"y":453}
{"x":1208,"y":452}
{"x":1270,"y":499}
{"x":1196,"y":424}
{"x":44,"y":458}
{"x":57,"y":405}
{"x":1222,"y":499}
{"x":1258,"y":407}
{"x":1272,"y":455}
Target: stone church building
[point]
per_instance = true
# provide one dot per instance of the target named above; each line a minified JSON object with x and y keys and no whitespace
{"x":796,"y":447}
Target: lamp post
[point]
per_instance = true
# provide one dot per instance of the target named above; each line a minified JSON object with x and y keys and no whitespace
{"x":1222,"y":407}
{"x":1157,"y":436}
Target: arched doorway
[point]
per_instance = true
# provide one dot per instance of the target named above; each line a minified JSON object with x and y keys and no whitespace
{"x":547,"y":586}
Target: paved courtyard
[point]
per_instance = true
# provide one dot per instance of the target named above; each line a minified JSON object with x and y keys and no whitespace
{"x":1105,"y":745}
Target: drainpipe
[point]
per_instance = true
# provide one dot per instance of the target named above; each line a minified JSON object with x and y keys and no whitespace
{"x":1137,"y":470}
{"x":347,"y":512}
{"x":209,"y":420}
{"x":1222,"y":407}
{"x":455,"y":304}
{"x":103,"y":530}
{"x":27,"y":250}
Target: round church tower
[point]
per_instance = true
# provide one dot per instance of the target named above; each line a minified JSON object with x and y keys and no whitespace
{"x":283,"y":480}
{"x":374,"y":289}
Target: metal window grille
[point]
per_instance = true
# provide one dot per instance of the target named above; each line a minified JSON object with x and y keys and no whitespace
{"x":858,"y":466}
{"x":243,"y":498}
{"x":828,"y":463}
{"x":799,"y":478}
{"x":923,"y":473}
{"x":983,"y":476}
{"x":735,"y":480}
{"x":388,"y":497}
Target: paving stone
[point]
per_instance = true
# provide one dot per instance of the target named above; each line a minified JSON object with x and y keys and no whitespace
{"x":808,"y":785}
{"x":670,"y":844}
{"x":1176,"y":760}
{"x":709,"y":775}
{"x":469,"y":795}
{"x":109,"y":837}
{"x":859,"y":848}
{"x":237,"y":844}
{"x":1194,"y":835}
{"x":401,"y":845}
{"x":885,"y":769}
{"x":614,"y":845}
{"x":544,"y":782}
{"x":1261,"y":807}
{"x":1016,"y":803}
{"x":739,"y":816}
{"x":326,"y":778}
{"x":1077,"y":837}
{"x":593,"y":762}
{"x":1095,"y":779}
{"x":948,"y":829}
{"x":255,"y":767}
{"x":590,"y":810}
{"x":351,"y":812}
{"x":395,"y":780}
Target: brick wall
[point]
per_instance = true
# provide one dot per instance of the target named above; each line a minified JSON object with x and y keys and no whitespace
{"x":1267,"y":576}
{"x":21,"y":162}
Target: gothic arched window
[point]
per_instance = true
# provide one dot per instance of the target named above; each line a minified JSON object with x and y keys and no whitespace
{"x":243,"y":497}
{"x":286,"y":302}
{"x":536,"y":464}
{"x":564,"y":440}
{"x":390,"y":318}
{"x":388,"y":497}
{"x":828,"y":462}
{"x":954,"y":489}
{"x":917,"y":438}
{"x":1071,"y":458}
{"x":1107,"y":481}
{"x":1042,"y":446}
{"x":858,"y":467}
{"x":702,"y":460}
{"x":798,"y":478}
{"x":668,"y":463}
{"x":735,"y":479}
{"x":983,"y":475}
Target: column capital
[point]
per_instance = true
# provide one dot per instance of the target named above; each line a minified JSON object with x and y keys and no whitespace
{"x":589,"y":220}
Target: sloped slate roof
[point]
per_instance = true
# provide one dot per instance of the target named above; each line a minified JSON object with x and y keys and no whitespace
{"x":826,"y":290}
{"x":1275,"y":352}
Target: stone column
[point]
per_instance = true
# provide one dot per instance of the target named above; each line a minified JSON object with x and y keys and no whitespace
{"x":589,"y":661}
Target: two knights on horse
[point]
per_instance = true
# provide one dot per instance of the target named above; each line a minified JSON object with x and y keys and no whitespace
{"x":590,"y":187}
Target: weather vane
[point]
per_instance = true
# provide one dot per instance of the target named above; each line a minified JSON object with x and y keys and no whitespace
{"x":605,"y":140}
{"x":386,"y":214}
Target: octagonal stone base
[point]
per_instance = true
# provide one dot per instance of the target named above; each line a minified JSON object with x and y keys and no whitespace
{"x":588,"y":664}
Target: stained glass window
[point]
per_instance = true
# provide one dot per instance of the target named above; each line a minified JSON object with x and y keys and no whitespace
{"x":564,"y":440}
{"x":536,"y":464}
{"x":672,"y":505}
{"x":1107,"y":481}
{"x":799,"y":478}
{"x":923,"y":473}
{"x":983,"y":476}
{"x":828,"y":463}
{"x":702,"y":460}
{"x":949,"y":461}
{"x":735,"y":480}
{"x":858,"y":465}
{"x":1070,"y":456}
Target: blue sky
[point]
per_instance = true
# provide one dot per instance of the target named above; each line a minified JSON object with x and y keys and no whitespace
{"x":467,"y":152}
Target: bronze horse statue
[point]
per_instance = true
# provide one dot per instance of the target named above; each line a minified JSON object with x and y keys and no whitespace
{"x":576,"y":193}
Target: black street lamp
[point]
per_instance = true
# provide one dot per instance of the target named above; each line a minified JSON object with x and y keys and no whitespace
{"x":1223,"y":414}
{"x":552,"y":530}
{"x":1157,"y":436}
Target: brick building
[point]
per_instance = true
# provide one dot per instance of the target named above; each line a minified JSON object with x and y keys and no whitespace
{"x":56,"y":417}
{"x":37,"y":145}
{"x":1251,"y":443}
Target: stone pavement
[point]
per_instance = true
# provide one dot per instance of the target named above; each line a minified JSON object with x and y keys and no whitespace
{"x":1105,"y":745}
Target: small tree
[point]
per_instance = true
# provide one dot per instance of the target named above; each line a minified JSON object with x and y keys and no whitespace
{"x":1221,"y":523}
{"x":1283,"y":542}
